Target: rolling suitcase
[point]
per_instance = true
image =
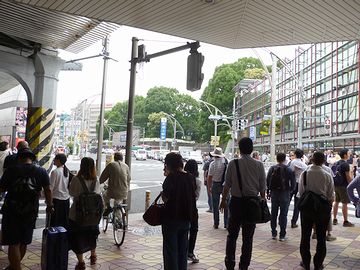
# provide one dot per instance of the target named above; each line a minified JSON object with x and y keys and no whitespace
{"x":54,"y":249}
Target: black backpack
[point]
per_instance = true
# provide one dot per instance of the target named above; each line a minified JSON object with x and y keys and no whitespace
{"x":89,"y":207}
{"x":339,"y":178}
{"x":279,"y":179}
{"x":23,"y":198}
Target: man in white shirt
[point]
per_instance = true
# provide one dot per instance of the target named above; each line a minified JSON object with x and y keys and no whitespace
{"x":318,"y":181}
{"x":298,"y":166}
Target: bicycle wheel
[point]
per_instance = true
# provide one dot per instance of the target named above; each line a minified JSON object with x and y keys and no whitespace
{"x":119,"y":225}
{"x":105,"y":223}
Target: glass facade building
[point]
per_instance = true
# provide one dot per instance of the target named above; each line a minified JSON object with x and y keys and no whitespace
{"x":323,"y":82}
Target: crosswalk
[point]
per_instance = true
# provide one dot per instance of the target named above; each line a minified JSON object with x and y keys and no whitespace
{"x":42,"y":211}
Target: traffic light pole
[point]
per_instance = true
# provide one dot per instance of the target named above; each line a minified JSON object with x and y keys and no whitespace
{"x":136,"y":58}
{"x":130,"y":117}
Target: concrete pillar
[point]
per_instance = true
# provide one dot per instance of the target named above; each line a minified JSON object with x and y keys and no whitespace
{"x":41,"y":111}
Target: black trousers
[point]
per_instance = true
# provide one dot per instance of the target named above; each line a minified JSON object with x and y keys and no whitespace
{"x":194,"y":227}
{"x":60,"y":217}
{"x":321,"y":224}
{"x":233,"y":233}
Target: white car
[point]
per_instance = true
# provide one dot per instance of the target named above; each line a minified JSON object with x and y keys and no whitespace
{"x":196,"y":155}
{"x":140,"y":154}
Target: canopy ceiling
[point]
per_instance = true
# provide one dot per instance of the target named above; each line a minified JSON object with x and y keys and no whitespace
{"x":228,"y":23}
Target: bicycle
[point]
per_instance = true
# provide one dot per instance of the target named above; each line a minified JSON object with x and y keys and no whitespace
{"x":119,"y":220}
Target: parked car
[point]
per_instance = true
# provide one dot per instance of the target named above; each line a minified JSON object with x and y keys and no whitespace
{"x":140,"y":154}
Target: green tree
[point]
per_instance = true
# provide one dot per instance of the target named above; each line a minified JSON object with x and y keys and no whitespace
{"x":116,"y":118}
{"x":219,"y":92}
{"x":160,"y":99}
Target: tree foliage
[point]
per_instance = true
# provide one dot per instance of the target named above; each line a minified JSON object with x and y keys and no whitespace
{"x":149,"y":110}
{"x":220,"y":93}
{"x":190,"y":114}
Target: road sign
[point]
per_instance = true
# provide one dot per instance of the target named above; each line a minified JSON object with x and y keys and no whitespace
{"x":215,"y":140}
{"x":252,"y":133}
{"x":163,"y":123}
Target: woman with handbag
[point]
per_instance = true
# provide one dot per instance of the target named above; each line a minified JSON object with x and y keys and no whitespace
{"x":83,"y":238}
{"x":191,"y":167}
{"x":179,"y":211}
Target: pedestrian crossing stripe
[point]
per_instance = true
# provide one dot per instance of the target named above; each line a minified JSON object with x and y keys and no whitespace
{"x":40,"y":134}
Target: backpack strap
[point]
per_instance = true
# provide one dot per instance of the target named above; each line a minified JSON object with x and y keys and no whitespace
{"x":305,"y":173}
{"x":93,"y":185}
{"x":238,"y":174}
{"x":82,"y":181}
{"x":223,"y":174}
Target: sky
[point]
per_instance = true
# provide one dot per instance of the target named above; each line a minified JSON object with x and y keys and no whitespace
{"x":169,"y":71}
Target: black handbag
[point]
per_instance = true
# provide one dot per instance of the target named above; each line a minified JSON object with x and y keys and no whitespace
{"x":152,"y":215}
{"x":253,"y":209}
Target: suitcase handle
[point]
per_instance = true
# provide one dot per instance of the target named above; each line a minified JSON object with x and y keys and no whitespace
{"x":48,"y":219}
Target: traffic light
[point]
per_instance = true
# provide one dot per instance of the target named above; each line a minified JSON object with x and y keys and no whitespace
{"x":242,"y":124}
{"x":194,"y":75}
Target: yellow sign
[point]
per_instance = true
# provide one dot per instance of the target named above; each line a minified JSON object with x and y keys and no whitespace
{"x":215,"y":140}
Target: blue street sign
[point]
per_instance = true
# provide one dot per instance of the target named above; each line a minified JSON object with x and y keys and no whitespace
{"x":163,"y":124}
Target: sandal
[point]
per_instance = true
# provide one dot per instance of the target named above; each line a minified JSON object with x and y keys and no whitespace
{"x":93,"y":259}
{"x":80,"y":266}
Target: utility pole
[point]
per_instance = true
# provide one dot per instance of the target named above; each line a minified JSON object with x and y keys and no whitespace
{"x":102,"y":106}
{"x":273,"y":109}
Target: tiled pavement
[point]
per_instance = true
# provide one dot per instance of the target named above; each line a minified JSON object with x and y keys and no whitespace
{"x":143,"y":248}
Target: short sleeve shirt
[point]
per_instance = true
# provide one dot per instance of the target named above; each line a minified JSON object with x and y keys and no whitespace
{"x":253,"y":179}
{"x":11,"y":174}
{"x":216,"y":169}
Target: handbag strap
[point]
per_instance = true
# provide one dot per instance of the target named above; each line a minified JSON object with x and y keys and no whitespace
{"x":238,"y":174}
{"x":304,"y":182}
{"x":157,"y":198}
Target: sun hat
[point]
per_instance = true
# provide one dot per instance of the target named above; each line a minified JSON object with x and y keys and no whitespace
{"x":217,"y":152}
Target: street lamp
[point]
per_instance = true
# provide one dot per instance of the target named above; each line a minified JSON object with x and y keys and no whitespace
{"x":216,"y":117}
{"x":272,"y":80}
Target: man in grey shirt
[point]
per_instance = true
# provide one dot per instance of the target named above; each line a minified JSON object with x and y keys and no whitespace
{"x":253,"y":182}
{"x":319,"y":182}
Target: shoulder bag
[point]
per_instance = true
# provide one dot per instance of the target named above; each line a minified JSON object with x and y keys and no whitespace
{"x":313,"y":203}
{"x":253,"y":208}
{"x":152,"y":215}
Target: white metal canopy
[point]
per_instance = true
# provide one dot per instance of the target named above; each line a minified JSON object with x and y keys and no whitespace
{"x":228,"y":23}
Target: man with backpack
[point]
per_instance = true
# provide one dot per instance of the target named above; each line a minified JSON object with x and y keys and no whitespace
{"x":216,"y":177}
{"x":280,"y":183}
{"x":23,"y":183}
{"x":342,"y":178}
{"x":316,"y":193}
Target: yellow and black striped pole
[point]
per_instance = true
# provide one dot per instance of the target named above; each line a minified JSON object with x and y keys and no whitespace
{"x":40,"y":134}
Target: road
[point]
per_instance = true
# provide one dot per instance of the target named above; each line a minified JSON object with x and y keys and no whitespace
{"x":145,"y":175}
